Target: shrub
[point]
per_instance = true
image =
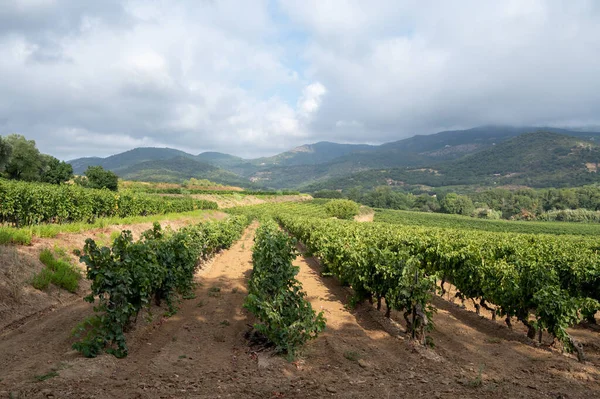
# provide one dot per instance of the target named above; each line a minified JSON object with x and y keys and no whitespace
{"x":487,"y":213}
{"x":328,"y":194}
{"x":342,"y":209}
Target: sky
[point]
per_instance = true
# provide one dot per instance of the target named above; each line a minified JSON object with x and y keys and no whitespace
{"x":258,"y":77}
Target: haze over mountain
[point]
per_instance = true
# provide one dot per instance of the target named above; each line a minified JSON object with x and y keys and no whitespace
{"x":487,"y":155}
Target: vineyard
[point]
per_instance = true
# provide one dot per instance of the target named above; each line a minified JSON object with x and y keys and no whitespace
{"x":547,"y":282}
{"x":424,"y":219}
{"x":305,"y":302}
{"x":24,"y":204}
{"x":127,"y":276}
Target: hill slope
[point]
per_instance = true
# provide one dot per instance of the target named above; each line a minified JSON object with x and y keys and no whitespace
{"x":319,"y":164}
{"x":127,"y":158}
{"x":539,"y":159}
{"x":177,"y":170}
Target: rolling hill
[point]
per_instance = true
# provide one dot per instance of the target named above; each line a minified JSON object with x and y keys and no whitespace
{"x":538,"y":159}
{"x":179,"y":169}
{"x":487,"y":155}
{"x":127,"y":158}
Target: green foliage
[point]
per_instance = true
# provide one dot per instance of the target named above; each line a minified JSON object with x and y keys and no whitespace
{"x":25,"y":160}
{"x":373,"y":263}
{"x":10,"y":235}
{"x":409,"y":218}
{"x":24,"y":204}
{"x":546,"y":281}
{"x":486,"y":213}
{"x":275,"y":297}
{"x":127,"y":276}
{"x":457,"y":204}
{"x":97,"y":177}
{"x":571,"y":215}
{"x":342,"y":209}
{"x":333,"y":194}
{"x":58,"y":272}
{"x":5,"y":152}
{"x":55,"y":171}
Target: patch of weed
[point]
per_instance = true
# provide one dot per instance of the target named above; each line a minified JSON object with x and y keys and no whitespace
{"x":46,"y":376}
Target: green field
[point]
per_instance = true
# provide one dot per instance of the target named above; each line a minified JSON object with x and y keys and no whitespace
{"x":409,"y":218}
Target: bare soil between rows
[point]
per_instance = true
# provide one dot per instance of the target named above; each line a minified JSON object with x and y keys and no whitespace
{"x":201,"y":352}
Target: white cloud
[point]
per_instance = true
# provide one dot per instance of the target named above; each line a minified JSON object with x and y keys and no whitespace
{"x":311,"y":99}
{"x":197,"y":76}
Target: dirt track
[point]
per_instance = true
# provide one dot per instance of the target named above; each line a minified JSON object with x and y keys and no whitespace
{"x":201,"y":352}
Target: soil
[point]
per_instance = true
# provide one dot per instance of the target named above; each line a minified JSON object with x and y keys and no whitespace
{"x":18,"y":264}
{"x":201,"y":352}
{"x":365,"y":215}
{"x":233,"y":200}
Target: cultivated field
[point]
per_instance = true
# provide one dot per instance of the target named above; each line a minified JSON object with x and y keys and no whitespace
{"x":202,"y":350}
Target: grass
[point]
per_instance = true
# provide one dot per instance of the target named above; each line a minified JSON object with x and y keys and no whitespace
{"x":214,"y":291}
{"x":57,"y":271}
{"x":10,"y":235}
{"x":477,"y":381}
{"x":46,"y":376}
{"x":23,"y":235}
{"x":225,"y":323}
{"x":351,"y":355}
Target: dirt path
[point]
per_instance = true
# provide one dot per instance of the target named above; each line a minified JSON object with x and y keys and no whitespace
{"x":233,"y":200}
{"x":201,"y":352}
{"x":19,"y":301}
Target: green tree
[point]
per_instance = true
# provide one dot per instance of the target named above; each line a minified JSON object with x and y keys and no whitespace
{"x":55,"y":171}
{"x":98,"y":177}
{"x":5,"y":152}
{"x":457,"y":204}
{"x":25,"y":162}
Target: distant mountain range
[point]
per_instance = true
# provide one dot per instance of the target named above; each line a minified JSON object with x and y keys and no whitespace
{"x":489,"y":155}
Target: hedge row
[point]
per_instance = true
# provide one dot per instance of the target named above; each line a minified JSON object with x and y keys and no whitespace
{"x":25,"y":204}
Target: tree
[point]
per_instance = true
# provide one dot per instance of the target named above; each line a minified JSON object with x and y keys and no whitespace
{"x":25,"y":161}
{"x":457,"y":204}
{"x":55,"y":171}
{"x":98,"y":177}
{"x":5,"y":152}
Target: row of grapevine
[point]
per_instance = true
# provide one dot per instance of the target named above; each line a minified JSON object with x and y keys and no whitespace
{"x":127,"y":276}
{"x":364,"y":259}
{"x":186,"y":191}
{"x":546,"y":282}
{"x":275,"y":296}
{"x":270,"y":210}
{"x":25,"y":204}
{"x":426,"y":219}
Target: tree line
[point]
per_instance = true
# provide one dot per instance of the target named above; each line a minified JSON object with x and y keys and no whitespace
{"x":524,"y":203}
{"x":20,"y":159}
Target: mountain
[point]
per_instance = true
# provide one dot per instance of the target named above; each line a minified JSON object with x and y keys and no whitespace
{"x":177,"y":170}
{"x":538,"y":159}
{"x":311,"y":154}
{"x":219,"y":159}
{"x":441,"y":159}
{"x":127,"y":158}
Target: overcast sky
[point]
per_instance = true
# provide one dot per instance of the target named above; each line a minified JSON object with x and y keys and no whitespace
{"x":254,"y":77}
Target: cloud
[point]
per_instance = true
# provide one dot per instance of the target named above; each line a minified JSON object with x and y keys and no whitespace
{"x":255,"y":78}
